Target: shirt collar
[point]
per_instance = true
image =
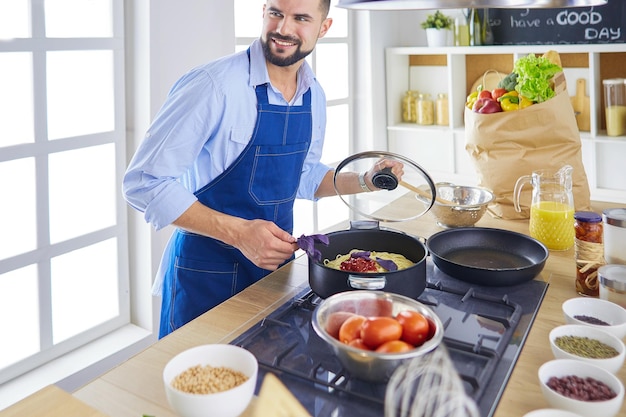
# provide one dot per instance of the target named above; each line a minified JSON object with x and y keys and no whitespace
{"x":259,"y":75}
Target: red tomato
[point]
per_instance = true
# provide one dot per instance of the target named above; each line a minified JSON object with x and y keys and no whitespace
{"x":415,"y":327}
{"x":351,"y":328}
{"x":334,"y":322}
{"x":484,"y":94}
{"x":394,"y":346}
{"x":378,"y":330}
{"x":498,"y":92}
{"x":358,"y":343}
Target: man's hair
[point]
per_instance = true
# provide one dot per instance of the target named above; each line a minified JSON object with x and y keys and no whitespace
{"x":325,"y":7}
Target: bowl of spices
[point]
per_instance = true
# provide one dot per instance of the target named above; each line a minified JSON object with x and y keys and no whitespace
{"x":216,"y":380}
{"x":596,"y":313}
{"x":583,"y":343}
{"x":581,"y":387}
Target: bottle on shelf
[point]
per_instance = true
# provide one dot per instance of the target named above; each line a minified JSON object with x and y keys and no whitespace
{"x":425,"y":110}
{"x":474,"y":28}
{"x":409,"y":111}
{"x":441,"y":111}
{"x":486,"y":34}
{"x":461,"y":30}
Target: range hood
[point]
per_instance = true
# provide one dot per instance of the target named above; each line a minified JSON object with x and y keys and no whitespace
{"x":459,"y":4}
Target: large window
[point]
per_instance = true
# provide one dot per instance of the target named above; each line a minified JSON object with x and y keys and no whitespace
{"x":63,"y":246}
{"x":330,"y":63}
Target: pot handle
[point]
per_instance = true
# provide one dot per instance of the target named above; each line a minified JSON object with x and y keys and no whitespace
{"x":367,"y":283}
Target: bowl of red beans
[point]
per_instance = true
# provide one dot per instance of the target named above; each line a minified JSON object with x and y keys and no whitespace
{"x":581,"y":387}
{"x":597,"y":313}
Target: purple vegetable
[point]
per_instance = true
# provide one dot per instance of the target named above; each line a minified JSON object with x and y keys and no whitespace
{"x":307,"y":244}
{"x":362,"y":254}
{"x":388,"y":264}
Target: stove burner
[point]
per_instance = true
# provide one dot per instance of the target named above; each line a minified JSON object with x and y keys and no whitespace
{"x":485,"y":328}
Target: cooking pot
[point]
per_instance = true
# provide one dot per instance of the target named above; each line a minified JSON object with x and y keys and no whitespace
{"x":487,"y":256}
{"x":367,"y":235}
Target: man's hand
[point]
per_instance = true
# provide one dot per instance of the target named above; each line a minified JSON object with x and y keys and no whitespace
{"x":264,"y":243}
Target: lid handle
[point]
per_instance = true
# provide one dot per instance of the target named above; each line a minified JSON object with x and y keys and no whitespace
{"x":385,"y":179}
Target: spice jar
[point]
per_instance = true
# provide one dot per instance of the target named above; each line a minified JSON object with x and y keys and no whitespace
{"x":588,"y":251}
{"x":614,"y":235}
{"x":409,"y":112}
{"x":442,"y":109}
{"x":425,"y":110}
{"x":613,"y":283}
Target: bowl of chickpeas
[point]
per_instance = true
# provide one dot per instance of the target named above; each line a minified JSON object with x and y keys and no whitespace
{"x":215,"y":379}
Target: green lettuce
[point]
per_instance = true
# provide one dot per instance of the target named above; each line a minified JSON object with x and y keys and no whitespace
{"x":533,"y":77}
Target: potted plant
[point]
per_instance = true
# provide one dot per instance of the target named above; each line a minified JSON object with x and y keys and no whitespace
{"x":437,"y":27}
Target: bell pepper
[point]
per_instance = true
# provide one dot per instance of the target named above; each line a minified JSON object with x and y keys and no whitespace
{"x":471,"y":99}
{"x":510,"y":101}
{"x":525,"y":102}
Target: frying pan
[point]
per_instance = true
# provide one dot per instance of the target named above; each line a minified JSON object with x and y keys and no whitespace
{"x":487,"y":256}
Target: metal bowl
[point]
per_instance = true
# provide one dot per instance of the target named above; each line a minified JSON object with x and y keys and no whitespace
{"x":364,"y":364}
{"x":467,"y":204}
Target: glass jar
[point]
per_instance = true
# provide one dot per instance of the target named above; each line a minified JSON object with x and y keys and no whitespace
{"x":425,"y":110}
{"x":588,"y":251}
{"x":614,"y":235}
{"x":613,"y":283}
{"x":442,"y":109}
{"x":409,"y":112}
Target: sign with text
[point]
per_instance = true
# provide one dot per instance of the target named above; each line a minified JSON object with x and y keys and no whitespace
{"x":600,"y":24}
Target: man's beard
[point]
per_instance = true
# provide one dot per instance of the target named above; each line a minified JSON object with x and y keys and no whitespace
{"x":283,"y":61}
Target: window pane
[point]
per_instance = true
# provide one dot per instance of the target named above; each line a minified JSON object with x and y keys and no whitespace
{"x":82,"y":191}
{"x":79,"y":18}
{"x":16,"y":98}
{"x":19,"y":315}
{"x":84,"y":289}
{"x":330,"y":211}
{"x":332,"y":69}
{"x":248,"y":18}
{"x":18,"y":221}
{"x":337,"y":134}
{"x":14,"y":19}
{"x":80,"y":93}
{"x":339,"y":28}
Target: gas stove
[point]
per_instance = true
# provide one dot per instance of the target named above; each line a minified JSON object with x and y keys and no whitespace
{"x":485,"y":329}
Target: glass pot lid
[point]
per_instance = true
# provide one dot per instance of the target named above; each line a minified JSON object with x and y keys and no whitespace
{"x":415,"y":191}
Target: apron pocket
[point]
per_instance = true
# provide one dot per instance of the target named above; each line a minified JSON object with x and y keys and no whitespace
{"x":276,"y":173}
{"x":200,"y":286}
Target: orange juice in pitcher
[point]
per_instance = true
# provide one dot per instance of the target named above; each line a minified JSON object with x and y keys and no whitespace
{"x":552,"y":207}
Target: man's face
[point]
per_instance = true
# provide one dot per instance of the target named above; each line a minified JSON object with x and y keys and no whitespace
{"x":291,"y":29}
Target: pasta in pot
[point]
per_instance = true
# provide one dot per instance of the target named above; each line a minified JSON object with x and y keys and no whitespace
{"x":358,"y":260}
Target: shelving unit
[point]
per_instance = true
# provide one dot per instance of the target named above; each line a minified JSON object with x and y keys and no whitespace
{"x":454,"y":70}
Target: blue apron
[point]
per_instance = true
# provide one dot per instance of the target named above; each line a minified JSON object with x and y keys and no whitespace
{"x":260,"y":184}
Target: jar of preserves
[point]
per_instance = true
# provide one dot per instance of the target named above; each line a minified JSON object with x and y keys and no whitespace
{"x":409,"y":111}
{"x":425,"y":110}
{"x":442,"y":109}
{"x":588,"y":251}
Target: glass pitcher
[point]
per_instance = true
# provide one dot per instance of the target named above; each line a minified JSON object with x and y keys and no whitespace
{"x":552,"y":206}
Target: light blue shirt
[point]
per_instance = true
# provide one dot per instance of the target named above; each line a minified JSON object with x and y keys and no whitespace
{"x":205,"y":123}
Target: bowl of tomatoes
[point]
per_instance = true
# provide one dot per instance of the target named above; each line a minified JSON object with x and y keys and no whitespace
{"x":373,"y":332}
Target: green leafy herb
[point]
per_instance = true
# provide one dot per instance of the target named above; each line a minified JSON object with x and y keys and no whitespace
{"x":533,"y":77}
{"x":437,"y":21}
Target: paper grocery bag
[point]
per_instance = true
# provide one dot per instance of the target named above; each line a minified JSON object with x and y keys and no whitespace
{"x":507,"y":145}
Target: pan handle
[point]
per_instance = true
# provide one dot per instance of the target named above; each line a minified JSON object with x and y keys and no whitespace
{"x":367,"y":283}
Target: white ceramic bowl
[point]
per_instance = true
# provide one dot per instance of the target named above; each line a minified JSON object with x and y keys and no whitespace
{"x":566,"y":367}
{"x":604,"y":310}
{"x":551,"y":412}
{"x":229,"y":403}
{"x":364,"y":364}
{"x":613,"y":364}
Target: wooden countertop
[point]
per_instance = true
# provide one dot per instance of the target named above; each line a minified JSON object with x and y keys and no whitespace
{"x":135,"y":387}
